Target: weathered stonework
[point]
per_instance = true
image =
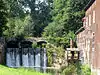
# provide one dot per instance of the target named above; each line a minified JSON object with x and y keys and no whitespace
{"x":2,"y":50}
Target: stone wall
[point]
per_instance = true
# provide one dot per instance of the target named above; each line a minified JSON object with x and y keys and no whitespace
{"x":2,"y":50}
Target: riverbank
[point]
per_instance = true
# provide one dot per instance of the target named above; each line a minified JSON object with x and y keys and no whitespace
{"x":11,"y":71}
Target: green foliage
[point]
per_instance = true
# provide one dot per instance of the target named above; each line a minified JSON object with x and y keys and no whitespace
{"x":15,"y":9}
{"x":76,"y":69}
{"x":66,"y":20}
{"x":53,"y":49}
{"x":61,"y":15}
{"x":52,"y":71}
{"x":60,"y":41}
{"x":82,"y":69}
{"x":40,"y":14}
{"x":20,"y":71}
{"x":17,"y":19}
{"x":86,"y":70}
{"x":17,"y":27}
{"x":34,"y":45}
{"x":69,"y":70}
{"x":3,"y":18}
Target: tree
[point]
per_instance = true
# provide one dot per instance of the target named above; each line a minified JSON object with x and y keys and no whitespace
{"x":18,"y":19}
{"x":15,"y":9}
{"x":76,"y":13}
{"x":39,"y":12}
{"x":18,"y":27}
{"x":3,"y":19}
{"x":66,"y":18}
{"x":56,"y":27}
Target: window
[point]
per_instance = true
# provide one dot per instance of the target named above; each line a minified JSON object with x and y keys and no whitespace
{"x":86,"y":21}
{"x":89,"y":20}
{"x":94,"y":16}
{"x":93,"y":41}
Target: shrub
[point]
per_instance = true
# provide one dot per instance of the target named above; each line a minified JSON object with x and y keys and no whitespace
{"x":34,"y":45}
{"x":51,"y":49}
{"x":86,"y":70}
{"x":69,"y":70}
{"x":76,"y":69}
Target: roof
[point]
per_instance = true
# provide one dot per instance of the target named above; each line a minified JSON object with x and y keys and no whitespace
{"x":89,"y":4}
{"x":86,"y":8}
{"x":79,"y":30}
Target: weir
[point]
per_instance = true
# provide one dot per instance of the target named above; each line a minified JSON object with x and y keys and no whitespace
{"x":27,"y":57}
{"x":21,"y":54}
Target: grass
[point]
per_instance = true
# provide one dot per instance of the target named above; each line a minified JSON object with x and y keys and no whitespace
{"x":11,"y":71}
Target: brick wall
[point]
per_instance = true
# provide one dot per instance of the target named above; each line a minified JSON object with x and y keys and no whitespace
{"x":85,"y":38}
{"x":97,"y":34}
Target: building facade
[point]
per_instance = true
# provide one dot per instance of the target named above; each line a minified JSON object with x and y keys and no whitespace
{"x":88,"y":36}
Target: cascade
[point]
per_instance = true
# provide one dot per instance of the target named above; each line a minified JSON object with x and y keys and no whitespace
{"x":25,"y":57}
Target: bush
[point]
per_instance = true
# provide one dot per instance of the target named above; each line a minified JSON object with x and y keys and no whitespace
{"x":34,"y":45}
{"x":69,"y":70}
{"x":76,"y":69}
{"x":86,"y":70}
{"x":51,"y":49}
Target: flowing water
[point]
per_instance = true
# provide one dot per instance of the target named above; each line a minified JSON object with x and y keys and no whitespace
{"x":17,"y":57}
{"x":8,"y":57}
{"x":31,"y":57}
{"x":37,"y":59}
{"x":27,"y":57}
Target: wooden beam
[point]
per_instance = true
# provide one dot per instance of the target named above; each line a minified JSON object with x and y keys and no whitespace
{"x":72,"y":49}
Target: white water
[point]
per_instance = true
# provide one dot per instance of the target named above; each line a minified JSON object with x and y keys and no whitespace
{"x":17,"y":57}
{"x":8,"y":58}
{"x":13,"y":58}
{"x":37,"y":60}
{"x":45,"y":61}
{"x":25,"y":58}
{"x":10,"y":61}
{"x":31,"y":57}
{"x":13,"y":62}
